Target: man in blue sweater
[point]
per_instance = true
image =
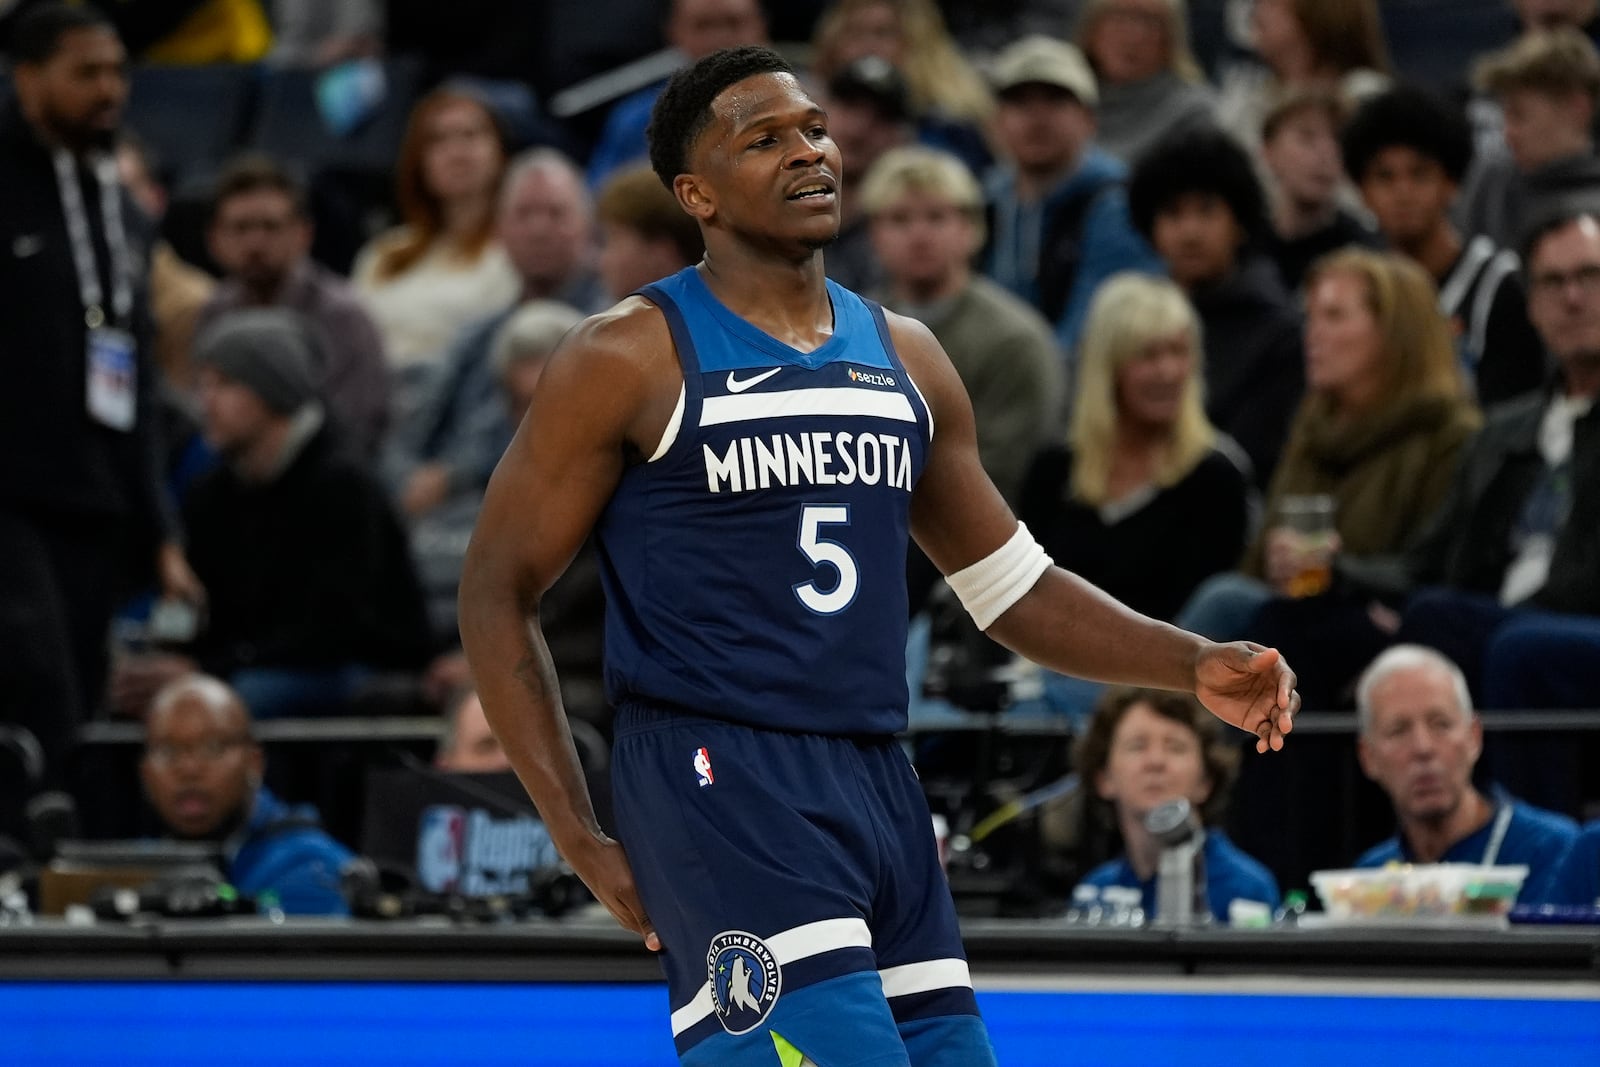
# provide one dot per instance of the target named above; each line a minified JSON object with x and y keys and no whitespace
{"x":202,"y":773}
{"x":1419,"y":740}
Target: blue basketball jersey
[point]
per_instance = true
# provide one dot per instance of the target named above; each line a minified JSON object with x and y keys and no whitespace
{"x":754,"y":567}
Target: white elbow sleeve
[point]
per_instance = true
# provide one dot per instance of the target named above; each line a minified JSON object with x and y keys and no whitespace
{"x":1000,"y":579}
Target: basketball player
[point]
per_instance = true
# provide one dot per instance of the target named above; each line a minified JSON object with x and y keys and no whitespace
{"x":753,"y":446}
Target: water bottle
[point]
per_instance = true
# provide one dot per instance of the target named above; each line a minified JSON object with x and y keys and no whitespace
{"x":1294,"y":906}
{"x":1085,"y":909}
{"x":1180,"y":875}
{"x":1125,"y":904}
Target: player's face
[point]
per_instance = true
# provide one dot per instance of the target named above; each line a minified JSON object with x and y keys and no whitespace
{"x":1151,"y":386}
{"x":770,"y":170}
{"x":1421,"y":745}
{"x":1153,"y":760}
{"x":1407,"y":192}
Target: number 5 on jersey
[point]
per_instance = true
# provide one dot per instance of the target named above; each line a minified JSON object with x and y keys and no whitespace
{"x":824,"y":552}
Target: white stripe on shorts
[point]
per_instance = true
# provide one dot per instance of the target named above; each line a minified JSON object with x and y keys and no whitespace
{"x":925,"y":977}
{"x":798,"y":943}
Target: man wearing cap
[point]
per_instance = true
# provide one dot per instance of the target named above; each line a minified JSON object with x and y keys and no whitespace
{"x":1058,"y":214}
{"x":311,"y":583}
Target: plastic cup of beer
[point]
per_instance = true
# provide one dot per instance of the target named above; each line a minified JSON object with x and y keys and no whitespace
{"x":1310,"y":517}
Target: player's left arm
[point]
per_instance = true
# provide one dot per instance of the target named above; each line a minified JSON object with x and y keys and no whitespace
{"x":1063,"y":622}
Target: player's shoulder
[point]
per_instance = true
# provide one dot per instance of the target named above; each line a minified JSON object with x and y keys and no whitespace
{"x":630,"y":338}
{"x":927,"y":363}
{"x":621,"y":329}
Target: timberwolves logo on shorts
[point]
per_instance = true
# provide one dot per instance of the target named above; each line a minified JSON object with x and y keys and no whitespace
{"x":745,"y":980}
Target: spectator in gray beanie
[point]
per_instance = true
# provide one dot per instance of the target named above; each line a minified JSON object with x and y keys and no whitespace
{"x":267,"y":350}
{"x":311,"y":584}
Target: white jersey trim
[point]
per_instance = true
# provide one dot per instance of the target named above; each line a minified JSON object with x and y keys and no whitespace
{"x":670,"y":434}
{"x":719,"y":410}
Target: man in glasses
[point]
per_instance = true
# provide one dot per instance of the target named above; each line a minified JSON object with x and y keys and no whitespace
{"x":202,"y":774}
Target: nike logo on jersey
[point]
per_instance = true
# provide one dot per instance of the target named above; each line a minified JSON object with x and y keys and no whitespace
{"x":737,"y":386}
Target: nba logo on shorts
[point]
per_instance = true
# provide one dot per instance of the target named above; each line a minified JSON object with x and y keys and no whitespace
{"x":441,"y":847}
{"x":745,"y":980}
{"x":702,"y":767}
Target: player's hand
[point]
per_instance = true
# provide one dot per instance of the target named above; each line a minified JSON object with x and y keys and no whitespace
{"x":1249,"y":686}
{"x":603,"y":866}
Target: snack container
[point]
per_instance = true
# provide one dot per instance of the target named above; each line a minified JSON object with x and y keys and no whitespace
{"x":1419,"y":892}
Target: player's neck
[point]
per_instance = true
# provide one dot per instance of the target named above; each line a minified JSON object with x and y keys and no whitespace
{"x":787,"y":299}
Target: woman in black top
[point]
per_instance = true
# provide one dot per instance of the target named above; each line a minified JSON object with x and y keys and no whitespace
{"x":1144,"y":499}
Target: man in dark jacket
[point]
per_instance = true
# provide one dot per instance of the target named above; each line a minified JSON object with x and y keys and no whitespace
{"x":81,"y":511}
{"x":311,"y":584}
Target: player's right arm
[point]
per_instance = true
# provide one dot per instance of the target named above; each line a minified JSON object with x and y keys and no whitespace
{"x":607,"y":393}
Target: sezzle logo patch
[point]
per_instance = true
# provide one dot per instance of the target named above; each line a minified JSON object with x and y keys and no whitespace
{"x":745,"y":980}
{"x":871,"y":377}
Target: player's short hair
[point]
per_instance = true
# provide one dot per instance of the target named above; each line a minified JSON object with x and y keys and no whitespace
{"x":634,"y":199}
{"x":38,"y":33}
{"x":683,"y":111}
{"x":1407,"y":116}
{"x":1554,"y":62}
{"x":1218,"y":759}
{"x":1203,"y":160}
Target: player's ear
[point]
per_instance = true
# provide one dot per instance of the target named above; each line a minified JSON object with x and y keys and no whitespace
{"x":693,"y":196}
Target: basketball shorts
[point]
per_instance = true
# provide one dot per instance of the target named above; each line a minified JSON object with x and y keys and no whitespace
{"x":795,"y":884}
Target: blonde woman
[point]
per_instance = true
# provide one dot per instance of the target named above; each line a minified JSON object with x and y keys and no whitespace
{"x":1143,"y":499}
{"x":1150,"y":84}
{"x":1384,"y":420}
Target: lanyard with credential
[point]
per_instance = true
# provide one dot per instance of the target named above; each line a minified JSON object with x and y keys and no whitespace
{"x":83,"y":257}
{"x":1502,"y":822}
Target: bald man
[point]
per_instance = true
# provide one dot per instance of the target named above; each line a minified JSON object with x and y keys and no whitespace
{"x":202,"y":774}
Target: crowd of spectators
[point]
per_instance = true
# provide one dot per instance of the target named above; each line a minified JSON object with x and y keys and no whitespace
{"x":1188,"y":294}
